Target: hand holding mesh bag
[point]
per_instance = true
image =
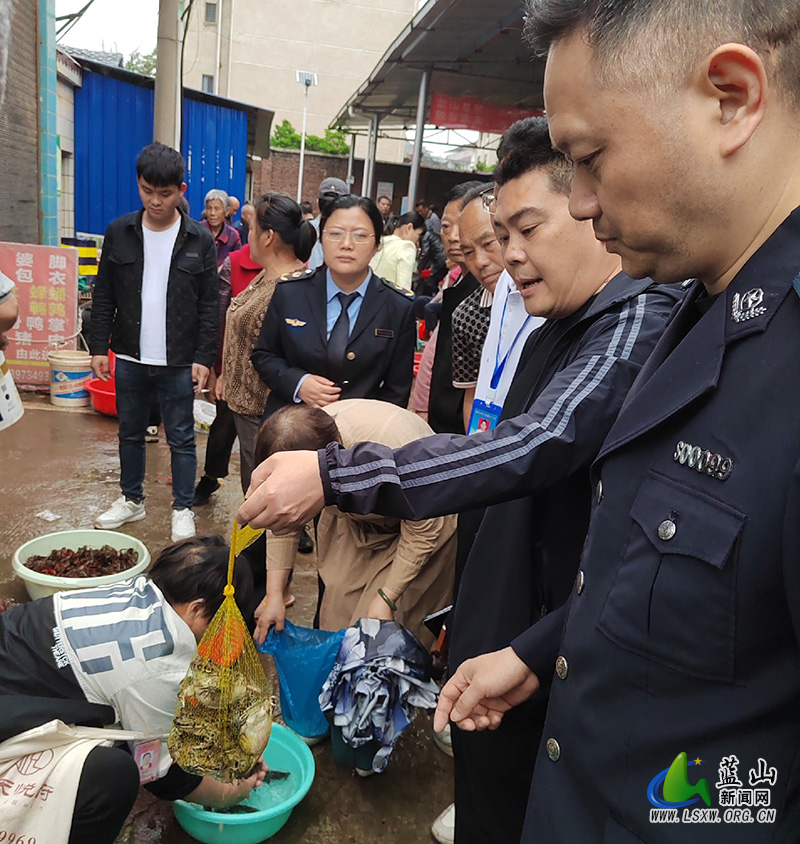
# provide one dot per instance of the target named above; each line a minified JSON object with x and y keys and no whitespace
{"x":224,"y":715}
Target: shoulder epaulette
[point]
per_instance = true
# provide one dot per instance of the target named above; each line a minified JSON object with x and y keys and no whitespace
{"x":404,"y":291}
{"x":296,"y":276}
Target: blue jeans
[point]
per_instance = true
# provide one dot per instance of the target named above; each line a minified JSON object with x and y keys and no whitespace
{"x":135,"y":384}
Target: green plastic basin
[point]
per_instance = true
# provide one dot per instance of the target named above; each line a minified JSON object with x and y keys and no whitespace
{"x":274,"y":801}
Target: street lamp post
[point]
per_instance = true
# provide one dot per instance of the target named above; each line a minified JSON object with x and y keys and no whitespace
{"x":306,"y":79}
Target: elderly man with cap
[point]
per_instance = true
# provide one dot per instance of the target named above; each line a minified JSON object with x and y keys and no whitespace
{"x":330,"y":190}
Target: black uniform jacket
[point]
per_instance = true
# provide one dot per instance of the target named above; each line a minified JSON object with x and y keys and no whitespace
{"x":683,"y":636}
{"x":379,"y":361}
{"x":192,"y":293}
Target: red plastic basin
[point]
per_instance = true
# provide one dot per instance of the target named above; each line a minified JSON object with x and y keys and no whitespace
{"x":104,"y":396}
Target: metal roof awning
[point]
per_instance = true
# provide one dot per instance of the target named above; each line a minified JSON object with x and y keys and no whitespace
{"x":472,"y":48}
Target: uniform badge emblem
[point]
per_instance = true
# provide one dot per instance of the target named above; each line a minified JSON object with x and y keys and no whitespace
{"x":748,"y":305}
{"x":704,"y":461}
{"x":295,"y":323}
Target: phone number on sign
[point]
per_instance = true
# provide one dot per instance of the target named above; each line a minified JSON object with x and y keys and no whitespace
{"x":27,"y":377}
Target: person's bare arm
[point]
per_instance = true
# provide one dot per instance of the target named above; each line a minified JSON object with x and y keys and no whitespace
{"x":221,"y":795}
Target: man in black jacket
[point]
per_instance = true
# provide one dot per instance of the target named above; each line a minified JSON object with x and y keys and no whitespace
{"x":573,"y":376}
{"x":156,"y":303}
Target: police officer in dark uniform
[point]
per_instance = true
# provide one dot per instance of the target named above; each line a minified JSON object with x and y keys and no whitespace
{"x":342,"y":332}
{"x":675,"y":666}
{"x":674,"y":705}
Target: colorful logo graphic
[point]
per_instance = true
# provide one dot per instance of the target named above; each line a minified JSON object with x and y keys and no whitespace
{"x":676,"y":790}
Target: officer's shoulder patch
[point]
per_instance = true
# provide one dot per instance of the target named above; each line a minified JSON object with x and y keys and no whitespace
{"x":300,"y":275}
{"x":403,"y":291}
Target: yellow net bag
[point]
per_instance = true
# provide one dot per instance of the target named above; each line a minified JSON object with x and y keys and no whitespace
{"x":224,"y":715}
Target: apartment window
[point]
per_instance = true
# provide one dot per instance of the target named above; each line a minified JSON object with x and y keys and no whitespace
{"x":208,"y":83}
{"x":211,"y":12}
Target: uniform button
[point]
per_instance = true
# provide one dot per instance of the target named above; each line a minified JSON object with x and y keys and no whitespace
{"x":553,"y":749}
{"x":667,"y":529}
{"x":599,"y":491}
{"x":562,"y":668}
{"x":580,"y":582}
{"x":351,"y":355}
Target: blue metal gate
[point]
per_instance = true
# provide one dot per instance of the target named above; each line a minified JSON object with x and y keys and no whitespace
{"x":114,"y":120}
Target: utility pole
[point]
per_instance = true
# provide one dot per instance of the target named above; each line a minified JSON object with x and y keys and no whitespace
{"x":167,"y":121}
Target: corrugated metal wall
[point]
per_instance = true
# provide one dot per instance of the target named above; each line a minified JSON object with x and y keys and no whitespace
{"x":215,"y":149}
{"x":19,"y":129}
{"x":114,"y":120}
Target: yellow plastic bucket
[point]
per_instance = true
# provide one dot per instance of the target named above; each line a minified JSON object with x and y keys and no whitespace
{"x":11,"y":408}
{"x":69,"y":372}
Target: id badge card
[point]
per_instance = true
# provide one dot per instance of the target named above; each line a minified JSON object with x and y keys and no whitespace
{"x":146,"y":755}
{"x":485,"y":416}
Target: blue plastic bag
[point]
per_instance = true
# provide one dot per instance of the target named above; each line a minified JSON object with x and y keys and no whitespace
{"x":304,"y":658}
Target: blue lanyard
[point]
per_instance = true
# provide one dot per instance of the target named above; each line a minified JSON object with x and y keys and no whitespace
{"x":499,"y":365}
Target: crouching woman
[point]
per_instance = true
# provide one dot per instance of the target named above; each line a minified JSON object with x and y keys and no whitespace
{"x":113,"y":655}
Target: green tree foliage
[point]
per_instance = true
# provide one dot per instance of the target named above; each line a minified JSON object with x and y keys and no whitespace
{"x":140,"y":63}
{"x":285,"y":136}
{"x":483,"y":167}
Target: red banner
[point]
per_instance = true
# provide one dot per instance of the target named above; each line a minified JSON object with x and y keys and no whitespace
{"x":464,"y":113}
{"x":46,"y":279}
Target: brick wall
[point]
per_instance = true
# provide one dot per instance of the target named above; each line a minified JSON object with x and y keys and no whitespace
{"x":279,"y":173}
{"x":19,"y":129}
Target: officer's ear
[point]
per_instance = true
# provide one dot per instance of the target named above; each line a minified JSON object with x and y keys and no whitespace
{"x":734,"y":82}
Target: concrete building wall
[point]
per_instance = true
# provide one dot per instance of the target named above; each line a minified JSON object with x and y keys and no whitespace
{"x":19,"y":129}
{"x":340,"y":40}
{"x":69,"y":78}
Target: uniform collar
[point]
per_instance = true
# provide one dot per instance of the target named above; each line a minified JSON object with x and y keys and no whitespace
{"x":687,"y":361}
{"x":759,"y":288}
{"x":331,"y":288}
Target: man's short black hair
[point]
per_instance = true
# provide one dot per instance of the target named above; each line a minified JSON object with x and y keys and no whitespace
{"x":421,"y":203}
{"x":526,"y":146}
{"x":459,"y":191}
{"x":161,"y":166}
{"x":197,"y":568}
{"x":296,"y":427}
{"x":656,"y":43}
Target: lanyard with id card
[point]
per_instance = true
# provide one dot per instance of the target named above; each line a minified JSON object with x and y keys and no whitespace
{"x":147,"y":756}
{"x":486,"y":414}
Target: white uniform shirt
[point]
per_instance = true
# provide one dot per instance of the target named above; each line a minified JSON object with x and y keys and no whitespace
{"x":130,"y":650}
{"x":509,"y":328}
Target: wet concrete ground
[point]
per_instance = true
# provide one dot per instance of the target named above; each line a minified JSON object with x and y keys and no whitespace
{"x":66,"y":462}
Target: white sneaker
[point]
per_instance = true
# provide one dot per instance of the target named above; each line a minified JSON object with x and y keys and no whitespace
{"x":121,"y":511}
{"x":444,"y":827}
{"x":444,"y":741}
{"x":151,"y":435}
{"x":182,"y":524}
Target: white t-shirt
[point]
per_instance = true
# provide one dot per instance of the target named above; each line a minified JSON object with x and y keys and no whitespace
{"x":509,"y":328}
{"x":129,"y":649}
{"x":158,"y":248}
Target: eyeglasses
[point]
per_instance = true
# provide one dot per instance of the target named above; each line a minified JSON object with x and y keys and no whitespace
{"x":338,"y":235}
{"x":488,"y":199}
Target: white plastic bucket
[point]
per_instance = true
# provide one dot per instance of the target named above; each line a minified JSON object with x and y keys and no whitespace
{"x":69,"y":372}
{"x":11,"y":408}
